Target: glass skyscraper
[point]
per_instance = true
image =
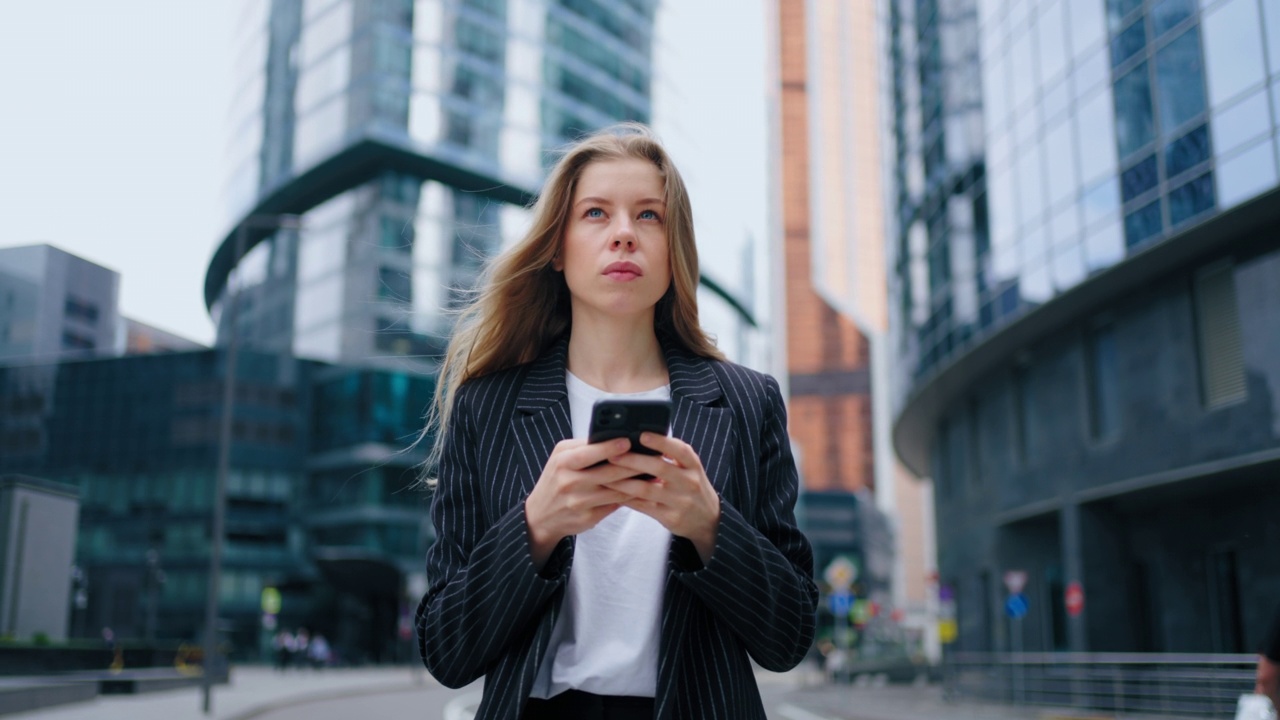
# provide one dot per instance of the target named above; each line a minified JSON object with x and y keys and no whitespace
{"x":1086,"y":311}
{"x":408,"y":136}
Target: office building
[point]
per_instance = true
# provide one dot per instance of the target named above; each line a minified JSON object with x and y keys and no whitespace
{"x":407,"y":138}
{"x":1086,"y":310}
{"x":54,"y":304}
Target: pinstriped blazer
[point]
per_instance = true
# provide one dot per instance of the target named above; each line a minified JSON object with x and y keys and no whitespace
{"x":488,"y":611}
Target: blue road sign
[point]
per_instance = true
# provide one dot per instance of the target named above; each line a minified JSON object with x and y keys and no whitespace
{"x":1016,"y":606}
{"x":841,"y":602}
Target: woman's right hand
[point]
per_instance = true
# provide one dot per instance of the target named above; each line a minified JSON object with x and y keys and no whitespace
{"x":572,"y":495}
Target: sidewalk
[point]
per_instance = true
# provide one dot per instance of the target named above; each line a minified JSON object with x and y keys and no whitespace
{"x":252,"y":689}
{"x":916,"y":702}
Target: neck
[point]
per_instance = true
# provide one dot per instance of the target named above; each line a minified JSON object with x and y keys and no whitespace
{"x":617,"y":357}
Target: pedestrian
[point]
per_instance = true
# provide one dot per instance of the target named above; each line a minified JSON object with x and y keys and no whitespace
{"x":1268,"y":671}
{"x":678,"y":582}
{"x":283,"y":644}
{"x":318,"y":651}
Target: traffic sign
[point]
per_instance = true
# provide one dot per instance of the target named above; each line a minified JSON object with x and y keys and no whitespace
{"x":841,"y":602}
{"x":1016,"y":606}
{"x":841,"y":573}
{"x":1074,"y":599}
{"x":947,"y":630}
{"x":271,"y":600}
{"x":1015,"y":581}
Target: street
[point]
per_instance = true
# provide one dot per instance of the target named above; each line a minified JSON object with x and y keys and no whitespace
{"x":260,"y":693}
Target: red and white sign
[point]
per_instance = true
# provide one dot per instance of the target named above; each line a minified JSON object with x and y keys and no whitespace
{"x":1074,"y":599}
{"x":1015,"y":581}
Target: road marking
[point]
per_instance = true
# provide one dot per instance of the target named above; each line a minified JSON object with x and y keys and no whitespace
{"x":794,"y":713}
{"x":464,"y":707}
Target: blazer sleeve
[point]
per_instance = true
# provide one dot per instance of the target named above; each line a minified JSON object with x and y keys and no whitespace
{"x":759,"y":579}
{"x":482,"y":586}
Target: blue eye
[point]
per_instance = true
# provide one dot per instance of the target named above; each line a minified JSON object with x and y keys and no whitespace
{"x":650,"y":215}
{"x":595,"y":213}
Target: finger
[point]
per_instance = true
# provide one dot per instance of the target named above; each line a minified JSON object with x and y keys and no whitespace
{"x":589,"y":454}
{"x":651,"y":464}
{"x":674,"y":448}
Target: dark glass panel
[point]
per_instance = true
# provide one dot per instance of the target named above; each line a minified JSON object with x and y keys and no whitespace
{"x":1190,"y":200}
{"x":1139,"y":178}
{"x":1142,"y":224}
{"x":1135,"y":121}
{"x":1187,"y":151}
{"x":1180,"y":80}
{"x":1128,"y":43}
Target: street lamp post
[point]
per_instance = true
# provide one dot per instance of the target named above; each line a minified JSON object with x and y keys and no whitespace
{"x":155,"y":579}
{"x":224,"y":453}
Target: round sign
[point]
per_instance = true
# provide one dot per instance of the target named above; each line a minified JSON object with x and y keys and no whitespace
{"x":1074,"y":599}
{"x":271,"y":601}
{"x":841,"y":573}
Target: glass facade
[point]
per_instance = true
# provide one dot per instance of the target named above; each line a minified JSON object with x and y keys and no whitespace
{"x":1083,"y":310}
{"x":138,"y":436}
{"x":477,"y":88}
{"x":321,"y":457}
{"x":1041,"y":142}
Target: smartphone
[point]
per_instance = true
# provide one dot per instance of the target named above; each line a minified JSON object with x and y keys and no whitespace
{"x":628,"y":418}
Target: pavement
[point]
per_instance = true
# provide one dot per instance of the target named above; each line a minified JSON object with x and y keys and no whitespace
{"x":260,"y":693}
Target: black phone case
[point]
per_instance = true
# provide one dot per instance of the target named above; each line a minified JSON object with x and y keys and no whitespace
{"x":628,"y":418}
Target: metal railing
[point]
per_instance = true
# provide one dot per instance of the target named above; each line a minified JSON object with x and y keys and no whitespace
{"x":1205,"y":686}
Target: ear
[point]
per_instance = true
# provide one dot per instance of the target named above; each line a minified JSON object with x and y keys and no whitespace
{"x":557,"y":264}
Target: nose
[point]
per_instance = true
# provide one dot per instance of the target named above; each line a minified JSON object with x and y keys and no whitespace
{"x":624,"y":235}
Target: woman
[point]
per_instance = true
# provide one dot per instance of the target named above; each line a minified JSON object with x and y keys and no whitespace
{"x":677,"y":581}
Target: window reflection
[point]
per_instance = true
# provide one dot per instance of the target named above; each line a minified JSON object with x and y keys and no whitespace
{"x":1166,"y":14}
{"x":1138,"y":179}
{"x":1191,"y":199}
{"x":1271,"y":30}
{"x":1051,"y":38}
{"x":1187,"y":151}
{"x":1233,"y":48}
{"x":1180,"y":79}
{"x":1142,"y":225}
{"x":1087,"y":25}
{"x":1128,"y":43}
{"x":1101,"y":201}
{"x":1118,"y":10}
{"x":1247,"y":174}
{"x":1135,"y":124}
{"x":1096,"y":135}
{"x":1241,"y":123}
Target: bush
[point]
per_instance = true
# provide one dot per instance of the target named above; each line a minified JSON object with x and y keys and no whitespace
{"x":40,"y":639}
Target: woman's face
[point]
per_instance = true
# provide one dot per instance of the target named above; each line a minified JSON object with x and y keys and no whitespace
{"x":614,"y":253}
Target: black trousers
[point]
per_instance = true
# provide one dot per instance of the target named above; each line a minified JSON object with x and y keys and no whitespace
{"x":578,"y":705}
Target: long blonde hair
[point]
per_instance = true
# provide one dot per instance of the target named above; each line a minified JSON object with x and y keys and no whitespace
{"x":522,"y":304}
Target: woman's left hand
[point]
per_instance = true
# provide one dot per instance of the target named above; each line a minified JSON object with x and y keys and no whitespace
{"x":679,"y":496}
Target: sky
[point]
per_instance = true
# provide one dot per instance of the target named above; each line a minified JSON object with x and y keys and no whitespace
{"x":113,"y":137}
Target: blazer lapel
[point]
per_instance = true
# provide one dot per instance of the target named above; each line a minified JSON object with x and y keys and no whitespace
{"x":541,"y":417}
{"x":698,"y":419}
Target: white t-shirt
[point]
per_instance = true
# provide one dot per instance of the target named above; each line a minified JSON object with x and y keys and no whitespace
{"x":605,"y":640}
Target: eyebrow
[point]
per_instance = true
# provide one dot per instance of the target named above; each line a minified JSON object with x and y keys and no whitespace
{"x":602,"y":201}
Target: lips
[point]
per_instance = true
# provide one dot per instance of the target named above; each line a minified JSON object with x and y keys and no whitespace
{"x":622,"y":271}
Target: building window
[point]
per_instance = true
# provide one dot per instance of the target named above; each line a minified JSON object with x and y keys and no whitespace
{"x":76,"y":341}
{"x":81,"y":310}
{"x":1222,"y":376}
{"x":1103,"y":379}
